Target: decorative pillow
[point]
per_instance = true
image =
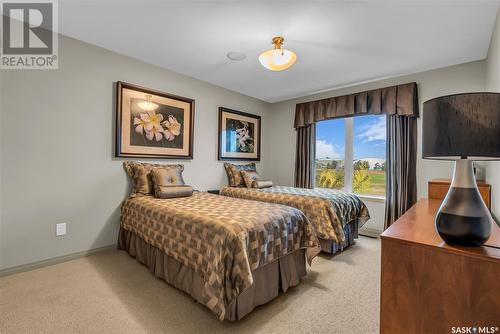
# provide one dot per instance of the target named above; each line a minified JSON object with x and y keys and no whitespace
{"x":262,"y":184}
{"x":234,"y":173}
{"x":163,"y":177}
{"x":252,"y":180}
{"x":173,"y":191}
{"x":249,"y":177}
{"x":140,"y":173}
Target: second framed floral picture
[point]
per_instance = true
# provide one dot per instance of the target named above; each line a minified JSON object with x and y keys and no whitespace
{"x":239,"y":135}
{"x":153,"y":124}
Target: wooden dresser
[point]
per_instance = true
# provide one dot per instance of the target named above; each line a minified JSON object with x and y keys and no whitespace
{"x":428,"y":286}
{"x":438,"y":188}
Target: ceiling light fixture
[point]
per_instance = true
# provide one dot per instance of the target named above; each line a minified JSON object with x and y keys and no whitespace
{"x":277,"y":59}
{"x":147,"y":105}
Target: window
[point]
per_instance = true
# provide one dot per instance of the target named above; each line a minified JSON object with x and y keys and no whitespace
{"x":330,"y":152}
{"x":350,"y":154}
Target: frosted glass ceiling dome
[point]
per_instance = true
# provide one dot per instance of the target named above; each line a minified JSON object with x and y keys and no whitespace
{"x":277,"y":59}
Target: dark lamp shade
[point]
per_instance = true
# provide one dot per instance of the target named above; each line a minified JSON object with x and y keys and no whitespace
{"x":462,"y":125}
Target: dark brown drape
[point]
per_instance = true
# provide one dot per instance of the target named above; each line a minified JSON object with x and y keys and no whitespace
{"x":394,"y":100}
{"x":401,"y":183}
{"x":304,"y":156}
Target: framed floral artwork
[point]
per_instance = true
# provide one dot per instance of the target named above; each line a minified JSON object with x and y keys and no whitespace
{"x":153,"y":124}
{"x":239,"y":135}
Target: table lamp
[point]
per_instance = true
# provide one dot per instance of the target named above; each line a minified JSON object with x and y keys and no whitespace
{"x":463,"y":128}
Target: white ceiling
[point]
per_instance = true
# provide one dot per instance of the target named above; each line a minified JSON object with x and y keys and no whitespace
{"x":337,"y":43}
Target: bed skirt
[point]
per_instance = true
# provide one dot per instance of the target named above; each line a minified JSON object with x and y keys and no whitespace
{"x":268,"y":280}
{"x":350,"y":232}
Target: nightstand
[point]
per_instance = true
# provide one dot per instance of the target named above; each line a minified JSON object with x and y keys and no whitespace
{"x":438,"y":189}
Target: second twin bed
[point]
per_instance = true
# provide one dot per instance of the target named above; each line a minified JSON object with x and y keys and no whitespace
{"x":335,"y":215}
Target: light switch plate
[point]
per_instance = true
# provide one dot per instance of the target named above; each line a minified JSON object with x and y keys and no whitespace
{"x":60,"y":229}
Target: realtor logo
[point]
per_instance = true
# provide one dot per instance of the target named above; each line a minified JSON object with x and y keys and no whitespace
{"x":29,"y":35}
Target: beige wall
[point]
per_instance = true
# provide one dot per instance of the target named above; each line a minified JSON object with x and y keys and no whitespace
{"x":468,"y":77}
{"x":493,"y":84}
{"x":57,"y":148}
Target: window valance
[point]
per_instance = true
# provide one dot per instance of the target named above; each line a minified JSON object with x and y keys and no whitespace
{"x":395,"y":100}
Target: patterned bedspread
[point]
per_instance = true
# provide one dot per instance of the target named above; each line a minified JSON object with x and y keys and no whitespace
{"x":223,"y":239}
{"x":328,"y":210}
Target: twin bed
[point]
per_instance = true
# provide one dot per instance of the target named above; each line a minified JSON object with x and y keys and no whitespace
{"x":232,"y":253}
{"x":335,"y":215}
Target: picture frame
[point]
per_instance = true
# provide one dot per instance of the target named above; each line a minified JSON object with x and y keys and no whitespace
{"x":239,"y":135}
{"x":153,"y":124}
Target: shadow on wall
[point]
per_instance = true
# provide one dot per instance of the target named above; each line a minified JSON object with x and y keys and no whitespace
{"x":112,"y":223}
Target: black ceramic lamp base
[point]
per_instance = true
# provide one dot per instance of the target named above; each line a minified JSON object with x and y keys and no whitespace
{"x":463,"y":218}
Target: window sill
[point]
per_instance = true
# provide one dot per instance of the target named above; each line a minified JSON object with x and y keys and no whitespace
{"x":372,"y":198}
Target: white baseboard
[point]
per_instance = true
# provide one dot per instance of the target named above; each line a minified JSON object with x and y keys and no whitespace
{"x":55,"y":260}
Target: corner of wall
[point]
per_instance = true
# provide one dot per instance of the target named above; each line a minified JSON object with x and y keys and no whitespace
{"x":493,"y":84}
{"x":281,"y":137}
{"x":493,"y":59}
